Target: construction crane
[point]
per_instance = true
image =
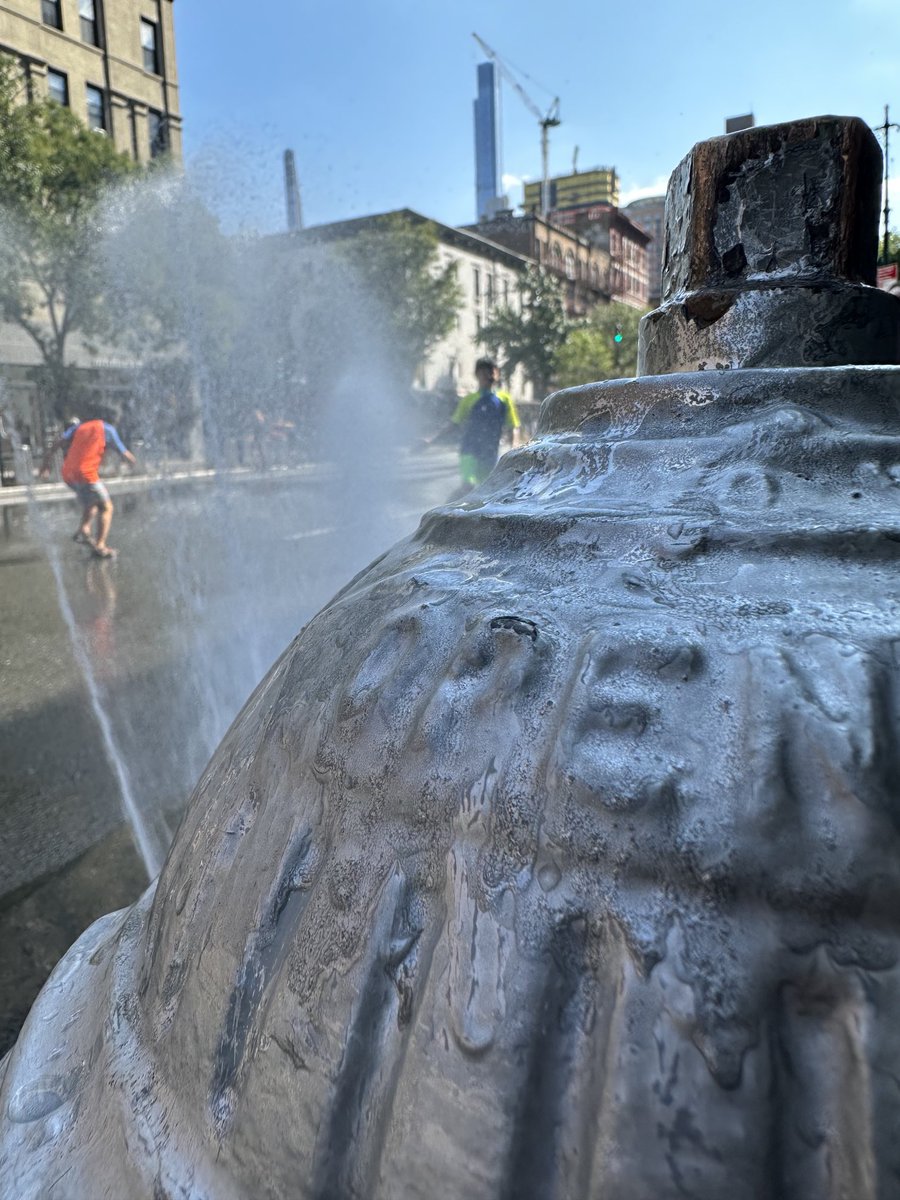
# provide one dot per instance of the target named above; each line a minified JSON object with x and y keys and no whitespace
{"x":546,"y":120}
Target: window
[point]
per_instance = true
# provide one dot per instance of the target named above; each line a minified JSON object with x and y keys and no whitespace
{"x":570,"y":265}
{"x":58,"y":87}
{"x":87,"y":15}
{"x":476,"y":276}
{"x":52,"y":13}
{"x":150,"y":46}
{"x":159,"y":133}
{"x":506,"y":293}
{"x":96,"y":108}
{"x":489,"y":290}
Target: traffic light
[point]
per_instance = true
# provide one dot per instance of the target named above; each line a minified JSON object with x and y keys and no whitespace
{"x":617,"y":336}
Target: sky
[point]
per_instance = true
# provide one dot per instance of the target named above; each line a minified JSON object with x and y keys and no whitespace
{"x":375,"y":96}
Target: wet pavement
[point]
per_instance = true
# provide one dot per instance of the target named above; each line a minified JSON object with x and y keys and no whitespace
{"x":213,"y":579}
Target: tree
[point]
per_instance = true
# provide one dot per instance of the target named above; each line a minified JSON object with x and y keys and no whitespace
{"x":53,"y":172}
{"x":412,"y":299}
{"x":530,"y":337}
{"x":591,"y":351}
{"x":893,"y":254}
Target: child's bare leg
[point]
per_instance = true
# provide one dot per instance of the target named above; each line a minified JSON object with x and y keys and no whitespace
{"x":87,"y":518}
{"x":104,"y":520}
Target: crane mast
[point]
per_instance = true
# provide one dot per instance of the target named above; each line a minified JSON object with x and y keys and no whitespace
{"x":547,"y":120}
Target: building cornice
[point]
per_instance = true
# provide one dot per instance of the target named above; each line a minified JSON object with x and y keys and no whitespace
{"x":452,"y":234}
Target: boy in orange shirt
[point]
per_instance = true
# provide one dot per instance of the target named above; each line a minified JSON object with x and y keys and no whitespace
{"x":87,"y":442}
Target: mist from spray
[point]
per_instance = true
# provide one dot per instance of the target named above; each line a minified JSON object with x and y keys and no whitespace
{"x":264,"y":356}
{"x":262,"y":399}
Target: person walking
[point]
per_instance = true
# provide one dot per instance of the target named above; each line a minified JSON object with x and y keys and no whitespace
{"x":482,"y":416}
{"x":85,"y":444}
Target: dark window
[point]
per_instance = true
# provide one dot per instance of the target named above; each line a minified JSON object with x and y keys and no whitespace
{"x":58,"y":87}
{"x":87,"y":14}
{"x":476,"y":276}
{"x":159,"y":133}
{"x":52,"y":13}
{"x":96,"y":108}
{"x":150,"y":46}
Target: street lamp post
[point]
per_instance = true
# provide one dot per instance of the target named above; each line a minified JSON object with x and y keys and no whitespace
{"x":885,"y":129}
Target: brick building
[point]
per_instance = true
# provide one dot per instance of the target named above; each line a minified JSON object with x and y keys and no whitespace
{"x":489,"y":275}
{"x":607,"y":230}
{"x":584,"y":205}
{"x":581,"y":266}
{"x":650,"y":214}
{"x":111,"y":61}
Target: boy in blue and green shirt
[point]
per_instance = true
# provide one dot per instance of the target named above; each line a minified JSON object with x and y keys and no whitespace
{"x":483,"y":415}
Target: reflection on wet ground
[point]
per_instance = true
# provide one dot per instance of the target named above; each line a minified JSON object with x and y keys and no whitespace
{"x":210,"y":584}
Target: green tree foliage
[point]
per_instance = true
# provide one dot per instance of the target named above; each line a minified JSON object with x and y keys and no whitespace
{"x":893,"y":254}
{"x":412,"y":298}
{"x":53,"y":172}
{"x":530,"y":336}
{"x":591,"y":352}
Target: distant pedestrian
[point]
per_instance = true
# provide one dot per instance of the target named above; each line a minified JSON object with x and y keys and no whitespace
{"x":258,"y":434}
{"x":482,"y":416}
{"x":85,"y":443}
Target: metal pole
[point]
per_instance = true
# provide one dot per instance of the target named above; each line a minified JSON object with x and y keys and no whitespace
{"x":545,"y":169}
{"x":887,"y":172}
{"x":886,"y":129}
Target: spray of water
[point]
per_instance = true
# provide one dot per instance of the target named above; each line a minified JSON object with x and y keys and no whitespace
{"x":220,"y":331}
{"x":147,"y":845}
{"x":268,"y":330}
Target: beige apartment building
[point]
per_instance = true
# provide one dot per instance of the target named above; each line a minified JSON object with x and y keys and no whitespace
{"x":111,"y":61}
{"x":490,"y":276}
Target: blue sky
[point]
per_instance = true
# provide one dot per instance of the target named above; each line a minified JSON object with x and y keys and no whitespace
{"x":376,"y":98}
